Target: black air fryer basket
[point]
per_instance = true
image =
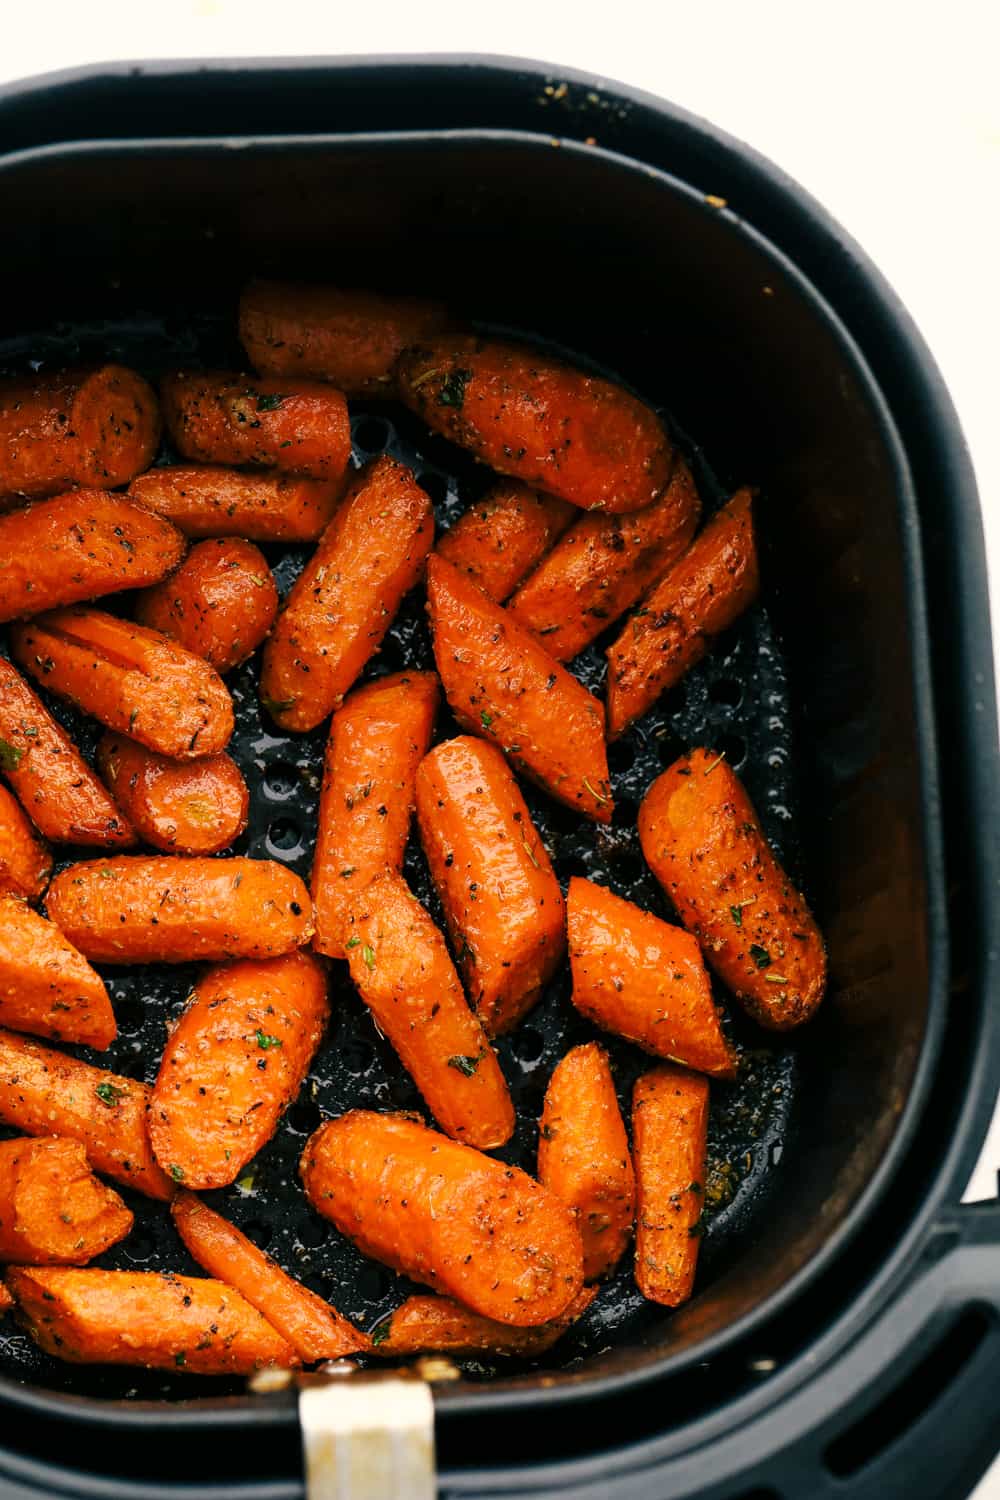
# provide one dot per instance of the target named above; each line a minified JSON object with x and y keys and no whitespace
{"x":844,"y":1339}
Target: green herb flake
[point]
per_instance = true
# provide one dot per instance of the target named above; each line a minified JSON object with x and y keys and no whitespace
{"x":466,"y":1065}
{"x":760,"y":955}
{"x":736,"y":912}
{"x":452,"y":391}
{"x":486,"y":719}
{"x":269,"y":403}
{"x":266,"y":1042}
{"x":275,"y":706}
{"x":695,"y":1231}
{"x":10,"y":756}
{"x":246,"y":1182}
{"x":176,"y":1172}
{"x":109,"y":1094}
{"x":368,"y":954}
{"x":381,"y":1333}
{"x":352,"y":942}
{"x":180,"y":1360}
{"x":348,"y":871}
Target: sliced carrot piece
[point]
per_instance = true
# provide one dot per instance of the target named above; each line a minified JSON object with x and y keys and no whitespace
{"x":25,"y":862}
{"x":46,"y":986}
{"x":500,"y":539}
{"x":182,"y":807}
{"x":220,"y":603}
{"x":53,"y":1210}
{"x":669,"y":1138}
{"x":206,"y":500}
{"x":438,"y":1325}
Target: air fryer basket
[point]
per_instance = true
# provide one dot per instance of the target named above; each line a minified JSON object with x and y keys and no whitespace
{"x":828,"y":697}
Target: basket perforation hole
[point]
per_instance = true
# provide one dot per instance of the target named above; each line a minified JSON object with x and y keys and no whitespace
{"x":281,"y":779}
{"x":529,"y":1044}
{"x":371,"y":434}
{"x":621,"y":757}
{"x":734,"y":748}
{"x":260,"y":1231}
{"x":434,"y":484}
{"x":726,"y":691}
{"x":284,"y":838}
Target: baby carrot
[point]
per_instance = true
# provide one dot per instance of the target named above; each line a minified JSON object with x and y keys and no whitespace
{"x":669,"y":1138}
{"x":25,"y":862}
{"x":500,"y":539}
{"x":263,"y":505}
{"x":181,"y":807}
{"x":439,"y":1325}
{"x":220,"y":603}
{"x":53,"y":1210}
{"x":46,"y":986}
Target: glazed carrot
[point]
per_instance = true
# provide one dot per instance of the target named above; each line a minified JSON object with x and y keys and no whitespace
{"x":129,"y":678}
{"x":669,"y":1142}
{"x":345,"y":598}
{"x":46,"y":986}
{"x":313,"y":1327}
{"x":160,"y":909}
{"x":53,"y":1210}
{"x":6,"y":1300}
{"x":25,"y":862}
{"x":168,"y":1322}
{"x":77,"y":427}
{"x":583,"y":1156}
{"x":80,"y":546}
{"x":54,"y":784}
{"x":377,"y":739}
{"x":501,"y":683}
{"x":182,"y":807}
{"x":701,"y":596}
{"x":350,"y":338}
{"x":232,"y":1065}
{"x":45,"y":1092}
{"x":204,"y":500}
{"x":643,"y":979}
{"x":220,"y":603}
{"x":444,"y":1214}
{"x":502,"y":903}
{"x":503,"y":536}
{"x":703,"y":841}
{"x":400,"y":967}
{"x":528,"y":415}
{"x":438,"y":1325}
{"x":603,"y":565}
{"x":221,"y":417}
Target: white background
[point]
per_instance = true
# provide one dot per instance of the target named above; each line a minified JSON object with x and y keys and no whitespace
{"x":888,"y":112}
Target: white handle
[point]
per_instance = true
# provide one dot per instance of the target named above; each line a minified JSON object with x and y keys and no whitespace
{"x":368,"y":1437}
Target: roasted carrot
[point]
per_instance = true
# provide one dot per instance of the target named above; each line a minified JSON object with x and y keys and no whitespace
{"x":220,"y":417}
{"x":669,"y":1142}
{"x":700,"y":597}
{"x":161,"y":909}
{"x":438,"y":1325}
{"x":503,"y":536}
{"x":25,"y":862}
{"x":232,"y":1065}
{"x":313,"y":1327}
{"x":46,"y":986}
{"x":703,"y":841}
{"x":79,"y":546}
{"x":447,"y":1215}
{"x":161,"y":1322}
{"x":220,"y":603}
{"x":643,"y":979}
{"x":350,"y":338}
{"x":54,"y":784}
{"x":204,"y":500}
{"x":377,"y":739}
{"x":345,"y":599}
{"x":76,"y":427}
{"x":131,"y":679}
{"x":603,"y":565}
{"x":182,"y":807}
{"x":400,"y":966}
{"x":533,"y":417}
{"x":44,"y":1092}
{"x":53,"y":1210}
{"x":502,"y":903}
{"x":502,"y":684}
{"x":6,"y":1300}
{"x":583,"y":1156}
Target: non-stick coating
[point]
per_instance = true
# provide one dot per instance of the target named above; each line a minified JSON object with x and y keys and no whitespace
{"x":736,"y":701}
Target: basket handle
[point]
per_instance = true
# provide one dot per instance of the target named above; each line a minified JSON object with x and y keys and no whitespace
{"x":367,"y":1435}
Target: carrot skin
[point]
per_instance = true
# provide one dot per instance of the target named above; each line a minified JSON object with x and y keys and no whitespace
{"x":669,"y":1141}
{"x":207,"y":500}
{"x":46,"y":987}
{"x":439,"y":1325}
{"x":181,"y":807}
{"x":233,"y":1063}
{"x":502,"y":684}
{"x":444,"y":1214}
{"x":53,"y":1210}
{"x":180,"y":910}
{"x":702,"y":839}
{"x":25,"y":862}
{"x":377,"y":739}
{"x":500,"y":539}
{"x":220,"y":603}
{"x":503,"y":907}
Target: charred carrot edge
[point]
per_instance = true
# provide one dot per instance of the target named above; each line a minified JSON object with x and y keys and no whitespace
{"x":45,"y":1092}
{"x":474,"y":1228}
{"x":400,"y":967}
{"x":6,"y":1300}
{"x":207,"y":500}
{"x":643,"y":979}
{"x":53,"y":1210}
{"x":181,"y":807}
{"x":314,"y":1328}
{"x":502,"y":685}
{"x":502,"y":903}
{"x":702,"y":839}
{"x":130,"y":679}
{"x":233,"y":1063}
{"x":439,"y":1325}
{"x":700,"y":597}
{"x":180,"y":910}
{"x":25,"y":862}
{"x":377,"y":739}
{"x":532,"y":417}
{"x":220,"y":603}
{"x":669,"y":1135}
{"x":583,"y":1156}
{"x":54,"y":784}
{"x":501,"y":538}
{"x":346,"y":597}
{"x":161,"y":1322}
{"x":46,"y":986}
